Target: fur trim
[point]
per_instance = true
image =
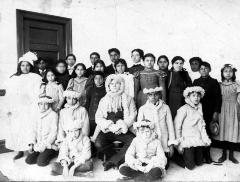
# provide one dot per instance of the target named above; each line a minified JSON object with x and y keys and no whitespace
{"x":71,"y":93}
{"x":197,"y":89}
{"x":71,"y":126}
{"x":29,"y":57}
{"x":45,"y":100}
{"x":118,"y":78}
{"x":152,"y":90}
{"x":143,"y":123}
{"x":123,"y":126}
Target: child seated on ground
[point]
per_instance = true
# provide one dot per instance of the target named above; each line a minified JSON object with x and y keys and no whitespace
{"x":44,"y":133}
{"x":190,"y":129}
{"x":145,"y":157}
{"x":75,"y":153}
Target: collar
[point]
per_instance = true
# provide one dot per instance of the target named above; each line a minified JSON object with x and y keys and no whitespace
{"x":72,"y":107}
{"x":158,"y":105}
{"x":70,"y":67}
{"x":198,"y":107}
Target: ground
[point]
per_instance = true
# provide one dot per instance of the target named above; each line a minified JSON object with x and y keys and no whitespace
{"x":20,"y":171}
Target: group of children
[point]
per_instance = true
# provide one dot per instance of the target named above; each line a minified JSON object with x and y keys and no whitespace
{"x":156,"y":115}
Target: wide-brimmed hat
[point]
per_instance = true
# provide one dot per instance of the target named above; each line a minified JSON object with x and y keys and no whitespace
{"x":143,"y":123}
{"x":197,"y":89}
{"x":29,"y":57}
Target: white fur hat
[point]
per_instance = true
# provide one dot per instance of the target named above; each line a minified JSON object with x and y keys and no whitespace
{"x":71,"y":93}
{"x":118,"y":78}
{"x":152,"y":90}
{"x":71,"y":126}
{"x":143,"y":123}
{"x":29,"y":57}
{"x":197,"y":89}
{"x":45,"y":99}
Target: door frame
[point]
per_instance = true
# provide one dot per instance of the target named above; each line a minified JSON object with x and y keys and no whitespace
{"x":22,"y":14}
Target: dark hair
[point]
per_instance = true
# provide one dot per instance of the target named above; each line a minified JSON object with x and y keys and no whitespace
{"x":149,"y":55}
{"x":95,"y":53}
{"x":19,"y":71}
{"x":206,"y":64}
{"x":234,"y":70}
{"x":74,"y":57}
{"x":164,"y":57}
{"x":99,"y":62}
{"x":39,"y":60}
{"x":95,"y":73}
{"x":140,"y":52}
{"x":114,"y":50}
{"x":74,"y":75}
{"x":59,"y":62}
{"x":121,"y":61}
{"x":177,"y":58}
{"x":45,"y":76}
{"x":195,"y":59}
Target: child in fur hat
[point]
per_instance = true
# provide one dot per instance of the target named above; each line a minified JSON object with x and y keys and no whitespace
{"x":145,"y":156}
{"x":72,"y":113}
{"x":190,"y":129}
{"x":44,"y":133}
{"x":159,"y":113}
{"x":115,"y":115}
{"x":75,"y":153}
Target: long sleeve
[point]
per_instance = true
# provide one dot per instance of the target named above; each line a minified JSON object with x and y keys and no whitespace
{"x":218,"y":97}
{"x":88,"y":99}
{"x":53,"y":132}
{"x":129,"y":120}
{"x":70,"y":84}
{"x":136,"y":84}
{"x":89,"y":82}
{"x":170,"y":127}
{"x":163,"y":85}
{"x":140,"y":115}
{"x":85,"y":154}
{"x":63,"y":153}
{"x":61,"y":134}
{"x":203,"y":132}
{"x":130,"y":154}
{"x":60,"y":95}
{"x":85,"y":120}
{"x":178,"y":122}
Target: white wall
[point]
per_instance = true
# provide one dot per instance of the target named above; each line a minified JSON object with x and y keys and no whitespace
{"x":209,"y":29}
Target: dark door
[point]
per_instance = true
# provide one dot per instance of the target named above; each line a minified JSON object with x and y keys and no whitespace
{"x":48,"y":36}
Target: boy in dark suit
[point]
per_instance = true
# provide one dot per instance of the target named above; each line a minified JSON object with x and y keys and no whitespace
{"x":114,"y":54}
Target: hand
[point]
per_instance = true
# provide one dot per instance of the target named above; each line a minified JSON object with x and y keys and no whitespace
{"x":148,"y":168}
{"x":113,"y":128}
{"x":137,"y":162}
{"x":118,"y":132}
{"x":30,"y":150}
{"x":140,"y":168}
{"x":180,"y":150}
{"x":215,"y":116}
{"x":58,"y":142}
{"x":72,"y":170}
{"x":171,"y":151}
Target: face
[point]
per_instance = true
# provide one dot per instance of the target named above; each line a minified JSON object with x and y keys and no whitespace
{"x":73,"y":134}
{"x":136,"y":57}
{"x":228,"y":73}
{"x":71,"y":101}
{"x":114,"y":56}
{"x":99,"y":67}
{"x":50,"y":76}
{"x":79,"y":71}
{"x":42,"y":65}
{"x":94,"y":58}
{"x":153,"y":97}
{"x":149,"y":62}
{"x":204,"y":71}
{"x":98,"y":80}
{"x":114,"y":86}
{"x":61,"y":68}
{"x":195,"y":66}
{"x":178,"y":65}
{"x":70,"y":61}
{"x":25,"y":67}
{"x":195,"y":98}
{"x":163,"y":64}
{"x":43,"y":106}
{"x":120,"y":68}
{"x":145,"y":132}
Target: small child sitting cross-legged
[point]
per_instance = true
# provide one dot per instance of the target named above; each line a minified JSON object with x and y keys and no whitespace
{"x":190,"y":129}
{"x":145,"y":157}
{"x":75,"y":153}
{"x":43,"y":135}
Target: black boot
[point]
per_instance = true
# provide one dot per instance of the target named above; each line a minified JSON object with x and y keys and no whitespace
{"x":207,"y":155}
{"x":223,"y":157}
{"x":108,"y":165}
{"x":232,"y":158}
{"x":19,"y":155}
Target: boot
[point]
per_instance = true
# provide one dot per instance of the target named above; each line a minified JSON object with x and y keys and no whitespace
{"x":207,"y":155}
{"x":19,"y":155}
{"x":223,"y":157}
{"x":232,"y":158}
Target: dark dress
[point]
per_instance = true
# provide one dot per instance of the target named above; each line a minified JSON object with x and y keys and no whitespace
{"x":136,"y":68}
{"x":63,"y":79}
{"x":148,"y":79}
{"x":176,"y":84}
{"x":110,"y":70}
{"x":89,"y":72}
{"x":93,"y":96}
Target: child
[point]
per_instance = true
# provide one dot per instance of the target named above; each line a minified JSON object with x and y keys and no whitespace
{"x":211,"y":101}
{"x":114,"y":55}
{"x":78,"y":81}
{"x":41,"y":67}
{"x":53,"y":89}
{"x":62,"y":74}
{"x":75,"y":153}
{"x":70,"y":60}
{"x":228,"y":119}
{"x":94,"y":56}
{"x":177,"y":80}
{"x":195,"y":63}
{"x":159,"y":113}
{"x":121,"y":68}
{"x":190,"y":129}
{"x":145,"y":156}
{"x":93,"y":96}
{"x":44,"y":134}
{"x":149,"y":77}
{"x":115,"y":115}
{"x":72,"y":113}
{"x":98,"y":66}
{"x":163,"y":63}
{"x":137,"y":56}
